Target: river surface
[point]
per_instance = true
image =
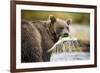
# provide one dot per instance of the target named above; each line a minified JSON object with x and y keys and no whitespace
{"x":66,"y":56}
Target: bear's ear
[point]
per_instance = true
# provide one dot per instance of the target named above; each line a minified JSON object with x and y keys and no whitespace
{"x":52,"y":19}
{"x":69,"y":21}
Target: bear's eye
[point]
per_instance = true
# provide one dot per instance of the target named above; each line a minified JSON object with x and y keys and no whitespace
{"x":67,"y":28}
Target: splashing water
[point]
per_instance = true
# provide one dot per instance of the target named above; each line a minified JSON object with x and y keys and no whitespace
{"x":68,"y":44}
{"x":68,"y":49}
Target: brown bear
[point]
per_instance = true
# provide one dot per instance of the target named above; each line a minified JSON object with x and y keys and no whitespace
{"x":37,"y":37}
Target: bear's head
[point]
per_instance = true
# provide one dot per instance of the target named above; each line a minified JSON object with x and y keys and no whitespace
{"x":59,"y":27}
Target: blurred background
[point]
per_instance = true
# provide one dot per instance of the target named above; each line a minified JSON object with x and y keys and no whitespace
{"x":80,"y":27}
{"x":78,"y":18}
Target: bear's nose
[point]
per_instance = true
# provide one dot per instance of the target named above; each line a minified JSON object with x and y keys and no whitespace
{"x":65,"y":35}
